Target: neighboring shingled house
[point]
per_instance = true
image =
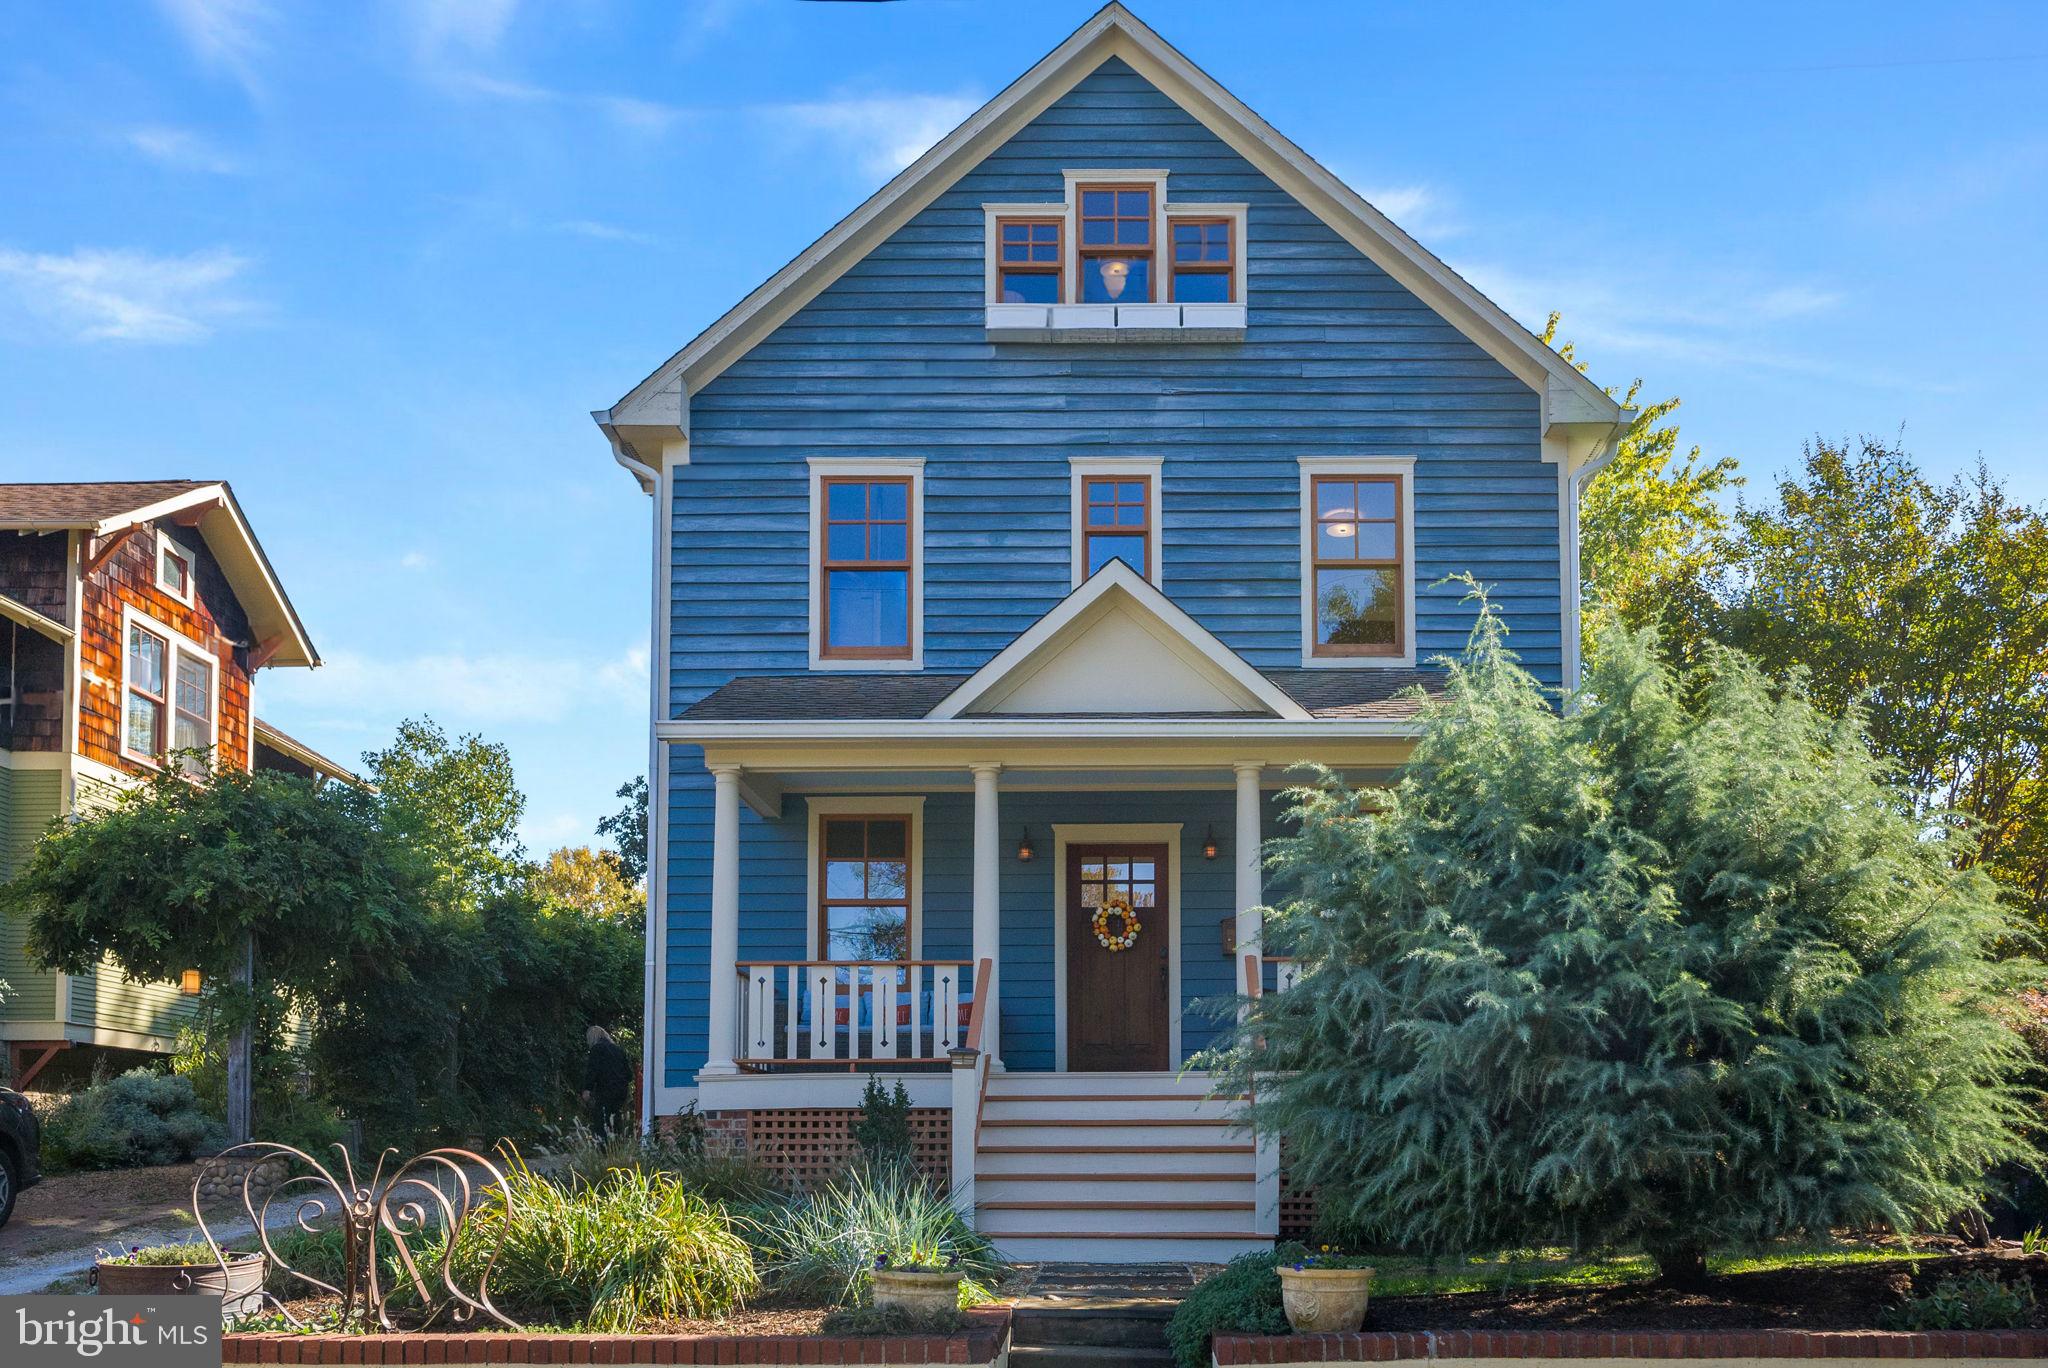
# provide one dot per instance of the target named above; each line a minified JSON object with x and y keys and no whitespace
{"x":134,"y":617}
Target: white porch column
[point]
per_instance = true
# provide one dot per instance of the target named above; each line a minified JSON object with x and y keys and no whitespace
{"x":1250,"y":892}
{"x":988,"y":901}
{"x":723,"y":998}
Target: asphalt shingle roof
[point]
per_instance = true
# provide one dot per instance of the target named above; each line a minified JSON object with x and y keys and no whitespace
{"x":84,"y":505}
{"x":1383,"y":694}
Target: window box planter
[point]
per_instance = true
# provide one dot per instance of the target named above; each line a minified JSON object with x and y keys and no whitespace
{"x":240,"y":1285}
{"x":1325,"y":1300}
{"x":922,"y":1292}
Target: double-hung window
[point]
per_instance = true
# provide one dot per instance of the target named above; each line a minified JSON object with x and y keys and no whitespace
{"x":1116,"y":522}
{"x":864,"y":889}
{"x":866,"y":571}
{"x":1204,"y":254}
{"x":170,"y":696}
{"x":1030,"y":260}
{"x":1115,"y":243}
{"x":1358,"y":588}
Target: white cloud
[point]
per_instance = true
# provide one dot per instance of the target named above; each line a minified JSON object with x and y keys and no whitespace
{"x":883,"y":133}
{"x":127,"y":296}
{"x":360,"y":692}
{"x":603,"y":232}
{"x":1421,"y":211}
{"x":228,"y":34}
{"x":181,"y":150}
{"x":415,"y":560}
{"x":628,"y":112}
{"x":473,"y":24}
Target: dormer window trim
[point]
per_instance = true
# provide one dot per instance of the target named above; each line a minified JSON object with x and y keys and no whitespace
{"x":825,"y":472}
{"x":1150,"y":315}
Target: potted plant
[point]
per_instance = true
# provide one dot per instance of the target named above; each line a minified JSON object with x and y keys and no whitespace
{"x":1323,"y":1294}
{"x":160,"y":1270}
{"x":920,"y":1285}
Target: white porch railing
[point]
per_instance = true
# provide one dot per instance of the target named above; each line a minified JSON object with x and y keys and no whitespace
{"x":837,"y":1013}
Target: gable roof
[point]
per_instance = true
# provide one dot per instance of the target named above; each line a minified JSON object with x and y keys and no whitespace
{"x":654,"y":414}
{"x":105,"y":507}
{"x":1219,"y":672}
{"x":1385,"y":695}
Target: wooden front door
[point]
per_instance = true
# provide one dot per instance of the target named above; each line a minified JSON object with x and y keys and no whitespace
{"x":1116,"y":999}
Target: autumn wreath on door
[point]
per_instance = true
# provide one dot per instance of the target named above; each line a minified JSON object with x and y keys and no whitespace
{"x":1117,"y":908}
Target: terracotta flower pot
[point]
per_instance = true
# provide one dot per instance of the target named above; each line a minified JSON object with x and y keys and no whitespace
{"x":922,"y":1292}
{"x":1325,"y":1300}
{"x":240,"y":1287}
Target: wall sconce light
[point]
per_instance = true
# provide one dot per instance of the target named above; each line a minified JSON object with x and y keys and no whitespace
{"x":1209,"y":844}
{"x":189,"y":983}
{"x":1024,"y":850}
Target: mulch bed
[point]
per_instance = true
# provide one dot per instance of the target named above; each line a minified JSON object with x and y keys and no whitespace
{"x":1837,"y":1297}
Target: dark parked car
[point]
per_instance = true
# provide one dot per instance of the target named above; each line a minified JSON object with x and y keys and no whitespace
{"x":21,"y":1138}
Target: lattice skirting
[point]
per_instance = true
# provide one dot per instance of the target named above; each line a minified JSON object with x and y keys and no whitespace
{"x":1297,"y":1205}
{"x":806,"y":1146}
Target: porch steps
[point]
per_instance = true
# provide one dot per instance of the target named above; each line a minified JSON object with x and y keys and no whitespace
{"x":1113,"y":1169}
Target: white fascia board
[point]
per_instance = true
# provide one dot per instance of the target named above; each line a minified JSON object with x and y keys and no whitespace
{"x":1116,"y":32}
{"x":162,"y":508}
{"x":682,"y":731}
{"x":1116,"y":577}
{"x":250,"y":574}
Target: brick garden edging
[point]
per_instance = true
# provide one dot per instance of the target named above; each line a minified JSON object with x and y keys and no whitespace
{"x":982,"y":1342}
{"x":1748,"y":1346}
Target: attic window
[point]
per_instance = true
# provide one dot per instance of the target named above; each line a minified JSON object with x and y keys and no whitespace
{"x":173,"y":568}
{"x":1115,"y":260}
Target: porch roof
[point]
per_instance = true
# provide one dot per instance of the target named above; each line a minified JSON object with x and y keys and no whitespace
{"x":1392,"y":695}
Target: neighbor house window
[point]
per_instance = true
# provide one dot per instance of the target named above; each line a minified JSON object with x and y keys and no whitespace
{"x":171,"y":698}
{"x":1115,"y":244}
{"x":866,"y":526}
{"x":1029,"y":261}
{"x":1204,"y":260}
{"x":864,"y":888}
{"x":173,"y":569}
{"x":1116,"y":513}
{"x":1356,"y":561}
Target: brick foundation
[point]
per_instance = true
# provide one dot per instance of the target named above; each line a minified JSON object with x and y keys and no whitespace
{"x":985,"y":1341}
{"x":1749,"y":1346}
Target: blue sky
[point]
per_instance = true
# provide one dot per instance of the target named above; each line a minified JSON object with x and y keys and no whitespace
{"x":374,"y":263}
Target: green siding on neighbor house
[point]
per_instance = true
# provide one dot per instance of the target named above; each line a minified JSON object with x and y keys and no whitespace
{"x":29,"y":798}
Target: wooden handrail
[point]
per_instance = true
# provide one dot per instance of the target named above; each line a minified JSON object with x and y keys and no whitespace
{"x":983,"y":972}
{"x":1254,"y":986}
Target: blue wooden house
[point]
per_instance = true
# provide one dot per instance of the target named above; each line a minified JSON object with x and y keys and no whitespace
{"x":1010,"y":544}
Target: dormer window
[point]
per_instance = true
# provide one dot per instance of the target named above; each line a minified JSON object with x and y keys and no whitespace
{"x":1115,"y":260}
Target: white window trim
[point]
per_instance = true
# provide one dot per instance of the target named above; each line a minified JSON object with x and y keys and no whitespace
{"x":1236,"y":214}
{"x":176,"y":644}
{"x":840,"y":467}
{"x":1065,"y":834}
{"x":1117,"y":175}
{"x":879,"y":805}
{"x":1312,"y":466}
{"x":1078,"y":470}
{"x":1046,"y":210}
{"x":164,"y":541}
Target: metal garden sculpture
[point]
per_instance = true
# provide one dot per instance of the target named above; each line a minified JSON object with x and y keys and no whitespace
{"x":416,"y":1217}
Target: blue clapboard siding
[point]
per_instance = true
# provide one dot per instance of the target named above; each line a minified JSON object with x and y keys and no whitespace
{"x":891,"y":360}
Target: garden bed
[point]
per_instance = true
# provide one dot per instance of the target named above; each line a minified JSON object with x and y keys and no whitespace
{"x":1796,"y":1312}
{"x":985,"y":1340}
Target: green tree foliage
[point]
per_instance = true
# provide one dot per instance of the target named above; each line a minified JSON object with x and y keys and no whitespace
{"x":184,"y":870}
{"x":1928,"y":605}
{"x":457,"y":803}
{"x":628,"y":828}
{"x":591,"y":883}
{"x":1671,"y":968}
{"x":1654,"y":539}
